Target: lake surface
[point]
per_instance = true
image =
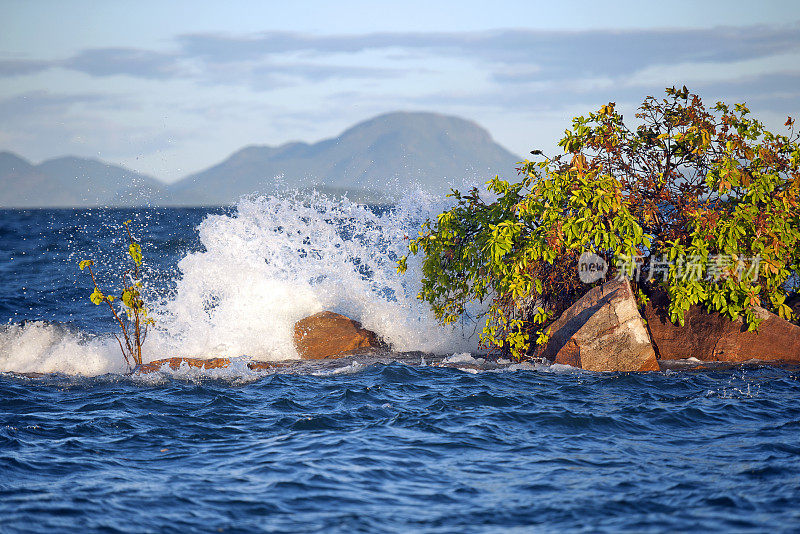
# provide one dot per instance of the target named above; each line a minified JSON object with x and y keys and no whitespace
{"x":360,"y":446}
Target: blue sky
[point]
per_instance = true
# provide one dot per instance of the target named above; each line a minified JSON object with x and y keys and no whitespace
{"x":169,"y":90}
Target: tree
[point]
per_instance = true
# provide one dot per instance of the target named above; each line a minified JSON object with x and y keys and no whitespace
{"x":703,"y":203}
{"x":134,"y":327}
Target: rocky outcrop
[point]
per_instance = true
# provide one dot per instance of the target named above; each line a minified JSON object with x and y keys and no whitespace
{"x":713,"y":337}
{"x":602,"y":331}
{"x":324,"y":335}
{"x":205,"y":364}
{"x":327,"y":335}
{"x":175,"y":364}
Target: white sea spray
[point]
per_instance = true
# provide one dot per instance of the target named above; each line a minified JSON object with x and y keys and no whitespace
{"x":279,"y":259}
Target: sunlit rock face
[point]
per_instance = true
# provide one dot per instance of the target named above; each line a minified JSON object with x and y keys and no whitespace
{"x":327,"y":334}
{"x":602,"y":331}
{"x":713,"y":337}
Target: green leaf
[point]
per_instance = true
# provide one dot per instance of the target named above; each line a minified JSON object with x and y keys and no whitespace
{"x":135,"y":250}
{"x":128,"y":297}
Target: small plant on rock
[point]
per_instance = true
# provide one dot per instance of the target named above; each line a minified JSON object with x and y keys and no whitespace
{"x":132,"y":317}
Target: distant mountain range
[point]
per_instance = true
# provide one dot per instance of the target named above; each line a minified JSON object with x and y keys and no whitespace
{"x":372,"y":162}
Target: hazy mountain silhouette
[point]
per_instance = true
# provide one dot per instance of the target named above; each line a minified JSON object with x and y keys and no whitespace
{"x":385,"y":154}
{"x":74,"y":182}
{"x":372,"y":161}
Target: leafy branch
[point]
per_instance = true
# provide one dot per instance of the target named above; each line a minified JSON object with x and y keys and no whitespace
{"x":134,"y":322}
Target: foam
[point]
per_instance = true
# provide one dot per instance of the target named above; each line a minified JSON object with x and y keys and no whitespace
{"x":464,"y":357}
{"x":39,"y":347}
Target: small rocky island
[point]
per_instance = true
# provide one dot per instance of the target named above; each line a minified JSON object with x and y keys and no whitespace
{"x":603,"y":331}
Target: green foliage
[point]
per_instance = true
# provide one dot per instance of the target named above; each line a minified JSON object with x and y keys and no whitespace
{"x":136,"y":321}
{"x":678,"y":202}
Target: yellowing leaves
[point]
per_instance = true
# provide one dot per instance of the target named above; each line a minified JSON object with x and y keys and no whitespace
{"x":608,"y":109}
{"x":785,"y":312}
{"x":97,"y":297}
{"x":134,"y":333}
{"x":135,"y":251}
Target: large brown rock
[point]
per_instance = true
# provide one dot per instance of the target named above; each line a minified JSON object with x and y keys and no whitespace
{"x":327,"y":334}
{"x":713,"y":337}
{"x":602,"y":331}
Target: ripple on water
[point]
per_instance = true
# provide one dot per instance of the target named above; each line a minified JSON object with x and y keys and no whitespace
{"x":399,"y":448}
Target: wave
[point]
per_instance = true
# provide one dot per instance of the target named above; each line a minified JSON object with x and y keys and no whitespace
{"x":41,"y":347}
{"x":263,"y":266}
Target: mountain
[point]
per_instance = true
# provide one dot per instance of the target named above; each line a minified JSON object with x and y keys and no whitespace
{"x":384,"y":155}
{"x":372,"y":162}
{"x":74,"y":182}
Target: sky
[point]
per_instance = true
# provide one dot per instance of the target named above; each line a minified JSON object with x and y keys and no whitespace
{"x":170,"y":88}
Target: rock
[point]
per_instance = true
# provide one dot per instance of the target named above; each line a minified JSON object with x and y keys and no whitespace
{"x":714,"y":337}
{"x":175,"y":363}
{"x":256,"y":365}
{"x":324,"y":335}
{"x":205,"y":364}
{"x":327,"y":334}
{"x":602,"y":331}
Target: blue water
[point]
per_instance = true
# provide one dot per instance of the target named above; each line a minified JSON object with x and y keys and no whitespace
{"x":384,"y":447}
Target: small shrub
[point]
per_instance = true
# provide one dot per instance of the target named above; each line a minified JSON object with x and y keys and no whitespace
{"x":132,"y":317}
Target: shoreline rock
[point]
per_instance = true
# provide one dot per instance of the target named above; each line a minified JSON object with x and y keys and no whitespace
{"x":712,"y":337}
{"x":176,"y":362}
{"x":602,"y":331}
{"x":325,"y":335}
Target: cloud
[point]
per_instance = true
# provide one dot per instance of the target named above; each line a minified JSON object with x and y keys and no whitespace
{"x":128,"y":61}
{"x":100,"y":62}
{"x":515,"y":56}
{"x":556,"y":53}
{"x":19,"y":67}
{"x":43,"y":104}
{"x":272,"y":76}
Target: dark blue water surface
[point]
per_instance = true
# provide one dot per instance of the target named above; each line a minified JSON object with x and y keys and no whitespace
{"x":398,"y":448}
{"x":384,"y":448}
{"x":40,"y":251}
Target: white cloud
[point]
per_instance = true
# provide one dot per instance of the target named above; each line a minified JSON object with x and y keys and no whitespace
{"x":692,"y":73}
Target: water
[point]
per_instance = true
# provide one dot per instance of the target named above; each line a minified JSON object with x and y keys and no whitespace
{"x":360,"y":444}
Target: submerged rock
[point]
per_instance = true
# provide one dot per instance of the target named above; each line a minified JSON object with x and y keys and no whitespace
{"x":602,"y":331}
{"x":328,"y":334}
{"x":175,"y":364}
{"x":713,"y":337}
{"x":205,"y":364}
